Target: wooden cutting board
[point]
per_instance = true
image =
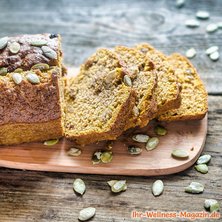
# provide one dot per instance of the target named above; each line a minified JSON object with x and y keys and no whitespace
{"x":188,"y":135}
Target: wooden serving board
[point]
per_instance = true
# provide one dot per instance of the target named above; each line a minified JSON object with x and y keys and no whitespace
{"x":188,"y":135}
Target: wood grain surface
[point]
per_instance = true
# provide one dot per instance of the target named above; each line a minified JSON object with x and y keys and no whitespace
{"x":85,"y":26}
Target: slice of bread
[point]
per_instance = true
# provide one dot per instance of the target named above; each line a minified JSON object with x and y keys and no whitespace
{"x":167,"y":90}
{"x":98,"y":103}
{"x":193,"y":93}
{"x":143,"y":78}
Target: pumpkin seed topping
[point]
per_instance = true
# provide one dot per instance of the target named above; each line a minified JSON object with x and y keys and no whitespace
{"x":87,"y":213}
{"x":152,"y":143}
{"x":17,"y":78}
{"x":79,"y":186}
{"x":202,"y":168}
{"x":211,"y":28}
{"x":38,"y":42}
{"x":160,"y":130}
{"x":202,"y":15}
{"x":48,"y":52}
{"x":3,"y":42}
{"x":3,"y":71}
{"x":215,"y":56}
{"x":204,"y":159}
{"x":119,"y":186}
{"x":127,"y":80}
{"x":33,"y":78}
{"x":211,"y":205}
{"x":157,"y":188}
{"x":41,"y":66}
{"x":14,"y":47}
{"x":190,"y":53}
{"x":106,"y":157}
{"x":180,"y":3}
{"x":51,"y":142}
{"x":180,"y":154}
{"x":134,"y":150}
{"x":192,"y":23}
{"x":194,"y":187}
{"x":18,"y":70}
{"x":74,"y":151}
{"x":141,"y":138}
{"x":211,"y":50}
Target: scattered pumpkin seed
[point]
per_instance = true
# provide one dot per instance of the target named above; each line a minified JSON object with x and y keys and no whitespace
{"x":74,"y":151}
{"x":33,"y":78}
{"x":211,"y":205}
{"x":18,"y":70}
{"x":202,"y":168}
{"x":79,"y":186}
{"x":211,"y":50}
{"x":136,"y":111}
{"x":14,"y":47}
{"x":51,"y":142}
{"x":190,"y":53}
{"x":17,"y":78}
{"x":38,"y":42}
{"x":3,"y":71}
{"x":134,"y":150}
{"x":127,"y":80}
{"x":112,"y":182}
{"x":41,"y":66}
{"x":48,"y":52}
{"x":202,"y":15}
{"x":160,"y":130}
{"x":3,"y":42}
{"x":106,"y":157}
{"x":152,"y":143}
{"x":204,"y":159}
{"x":214,"y":56}
{"x":157,"y":188}
{"x":180,"y":3}
{"x":141,"y":138}
{"x":96,"y":158}
{"x":195,"y":188}
{"x":180,"y":154}
{"x":212,"y":28}
{"x":192,"y":23}
{"x":87,"y":213}
{"x":119,"y":186}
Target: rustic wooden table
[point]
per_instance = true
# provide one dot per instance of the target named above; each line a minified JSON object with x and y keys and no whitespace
{"x":86,"y":25}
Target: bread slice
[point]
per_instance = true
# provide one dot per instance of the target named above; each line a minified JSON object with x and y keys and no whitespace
{"x":193,"y":93}
{"x":143,"y":78}
{"x":167,"y":90}
{"x":98,"y":103}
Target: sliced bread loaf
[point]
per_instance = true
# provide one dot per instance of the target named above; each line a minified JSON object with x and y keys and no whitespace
{"x":193,"y":93}
{"x":141,"y":75}
{"x":98,"y":103}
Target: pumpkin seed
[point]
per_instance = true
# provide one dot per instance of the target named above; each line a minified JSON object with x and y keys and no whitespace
{"x":157,"y":188}
{"x":18,"y":70}
{"x":136,"y":111}
{"x":180,"y":154}
{"x":190,"y":53}
{"x":194,"y":187}
{"x":209,"y":202}
{"x":33,"y":78}
{"x":211,"y":50}
{"x":192,"y":23}
{"x":14,"y":47}
{"x":141,"y":138}
{"x":48,"y":52}
{"x":202,"y":168}
{"x":87,"y":213}
{"x":41,"y":66}
{"x":38,"y":42}
{"x":152,"y":143}
{"x":112,"y":182}
{"x":134,"y":150}
{"x":215,"y":56}
{"x":127,"y":80}
{"x":212,"y":28}
{"x":202,"y":15}
{"x":214,"y":207}
{"x":204,"y":159}
{"x":74,"y":151}
{"x":119,"y":186}
{"x":17,"y":78}
{"x":3,"y":42}
{"x":106,"y":157}
{"x":160,"y":130}
{"x":3,"y":71}
{"x":96,"y":158}
{"x":51,"y":142}
{"x":79,"y":186}
{"x":180,"y":3}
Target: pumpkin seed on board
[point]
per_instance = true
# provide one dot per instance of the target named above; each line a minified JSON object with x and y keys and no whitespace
{"x":87,"y":213}
{"x":141,"y":138}
{"x":79,"y":186}
{"x":152,"y":143}
{"x":96,"y":158}
{"x":17,"y":78}
{"x":214,"y":56}
{"x":51,"y":142}
{"x":134,"y":150}
{"x":112,"y":182}
{"x":211,"y":50}
{"x":204,"y":159}
{"x":3,"y":71}
{"x":14,"y":47}
{"x":190,"y":53}
{"x":3,"y":42}
{"x":157,"y":188}
{"x":160,"y":130}
{"x":41,"y":66}
{"x":192,"y":23}
{"x":33,"y":78}
{"x":194,"y":188}
{"x":38,"y":42}
{"x":211,"y":28}
{"x":106,"y":157}
{"x":48,"y":52}
{"x":202,"y":168}
{"x":211,"y":205}
{"x":203,"y":15}
{"x":180,"y":3}
{"x":127,"y":80}
{"x":119,"y":186}
{"x":74,"y":151}
{"x":180,"y":154}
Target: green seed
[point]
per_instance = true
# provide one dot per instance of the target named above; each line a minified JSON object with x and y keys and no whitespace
{"x":74,"y":152}
{"x":211,"y":28}
{"x":18,"y":70}
{"x":119,"y":186}
{"x":214,"y":56}
{"x":212,"y":49}
{"x":3,"y":42}
{"x":192,"y":23}
{"x":3,"y":71}
{"x":190,"y":53}
{"x":87,"y":213}
{"x":48,"y":52}
{"x":51,"y":142}
{"x":33,"y":78}
{"x":38,"y":42}
{"x":127,"y":80}
{"x":141,"y":138}
{"x":204,"y":159}
{"x":202,"y":15}
{"x":79,"y":186}
{"x":106,"y":157}
{"x":157,"y":188}
{"x":160,"y":130}
{"x":180,"y":154}
{"x":209,"y":202}
{"x":41,"y":66}
{"x":14,"y":47}
{"x":214,"y":207}
{"x":134,"y":150}
{"x":152,"y":143}
{"x":17,"y":78}
{"x":202,"y":168}
{"x":112,"y":182}
{"x":194,"y":188}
